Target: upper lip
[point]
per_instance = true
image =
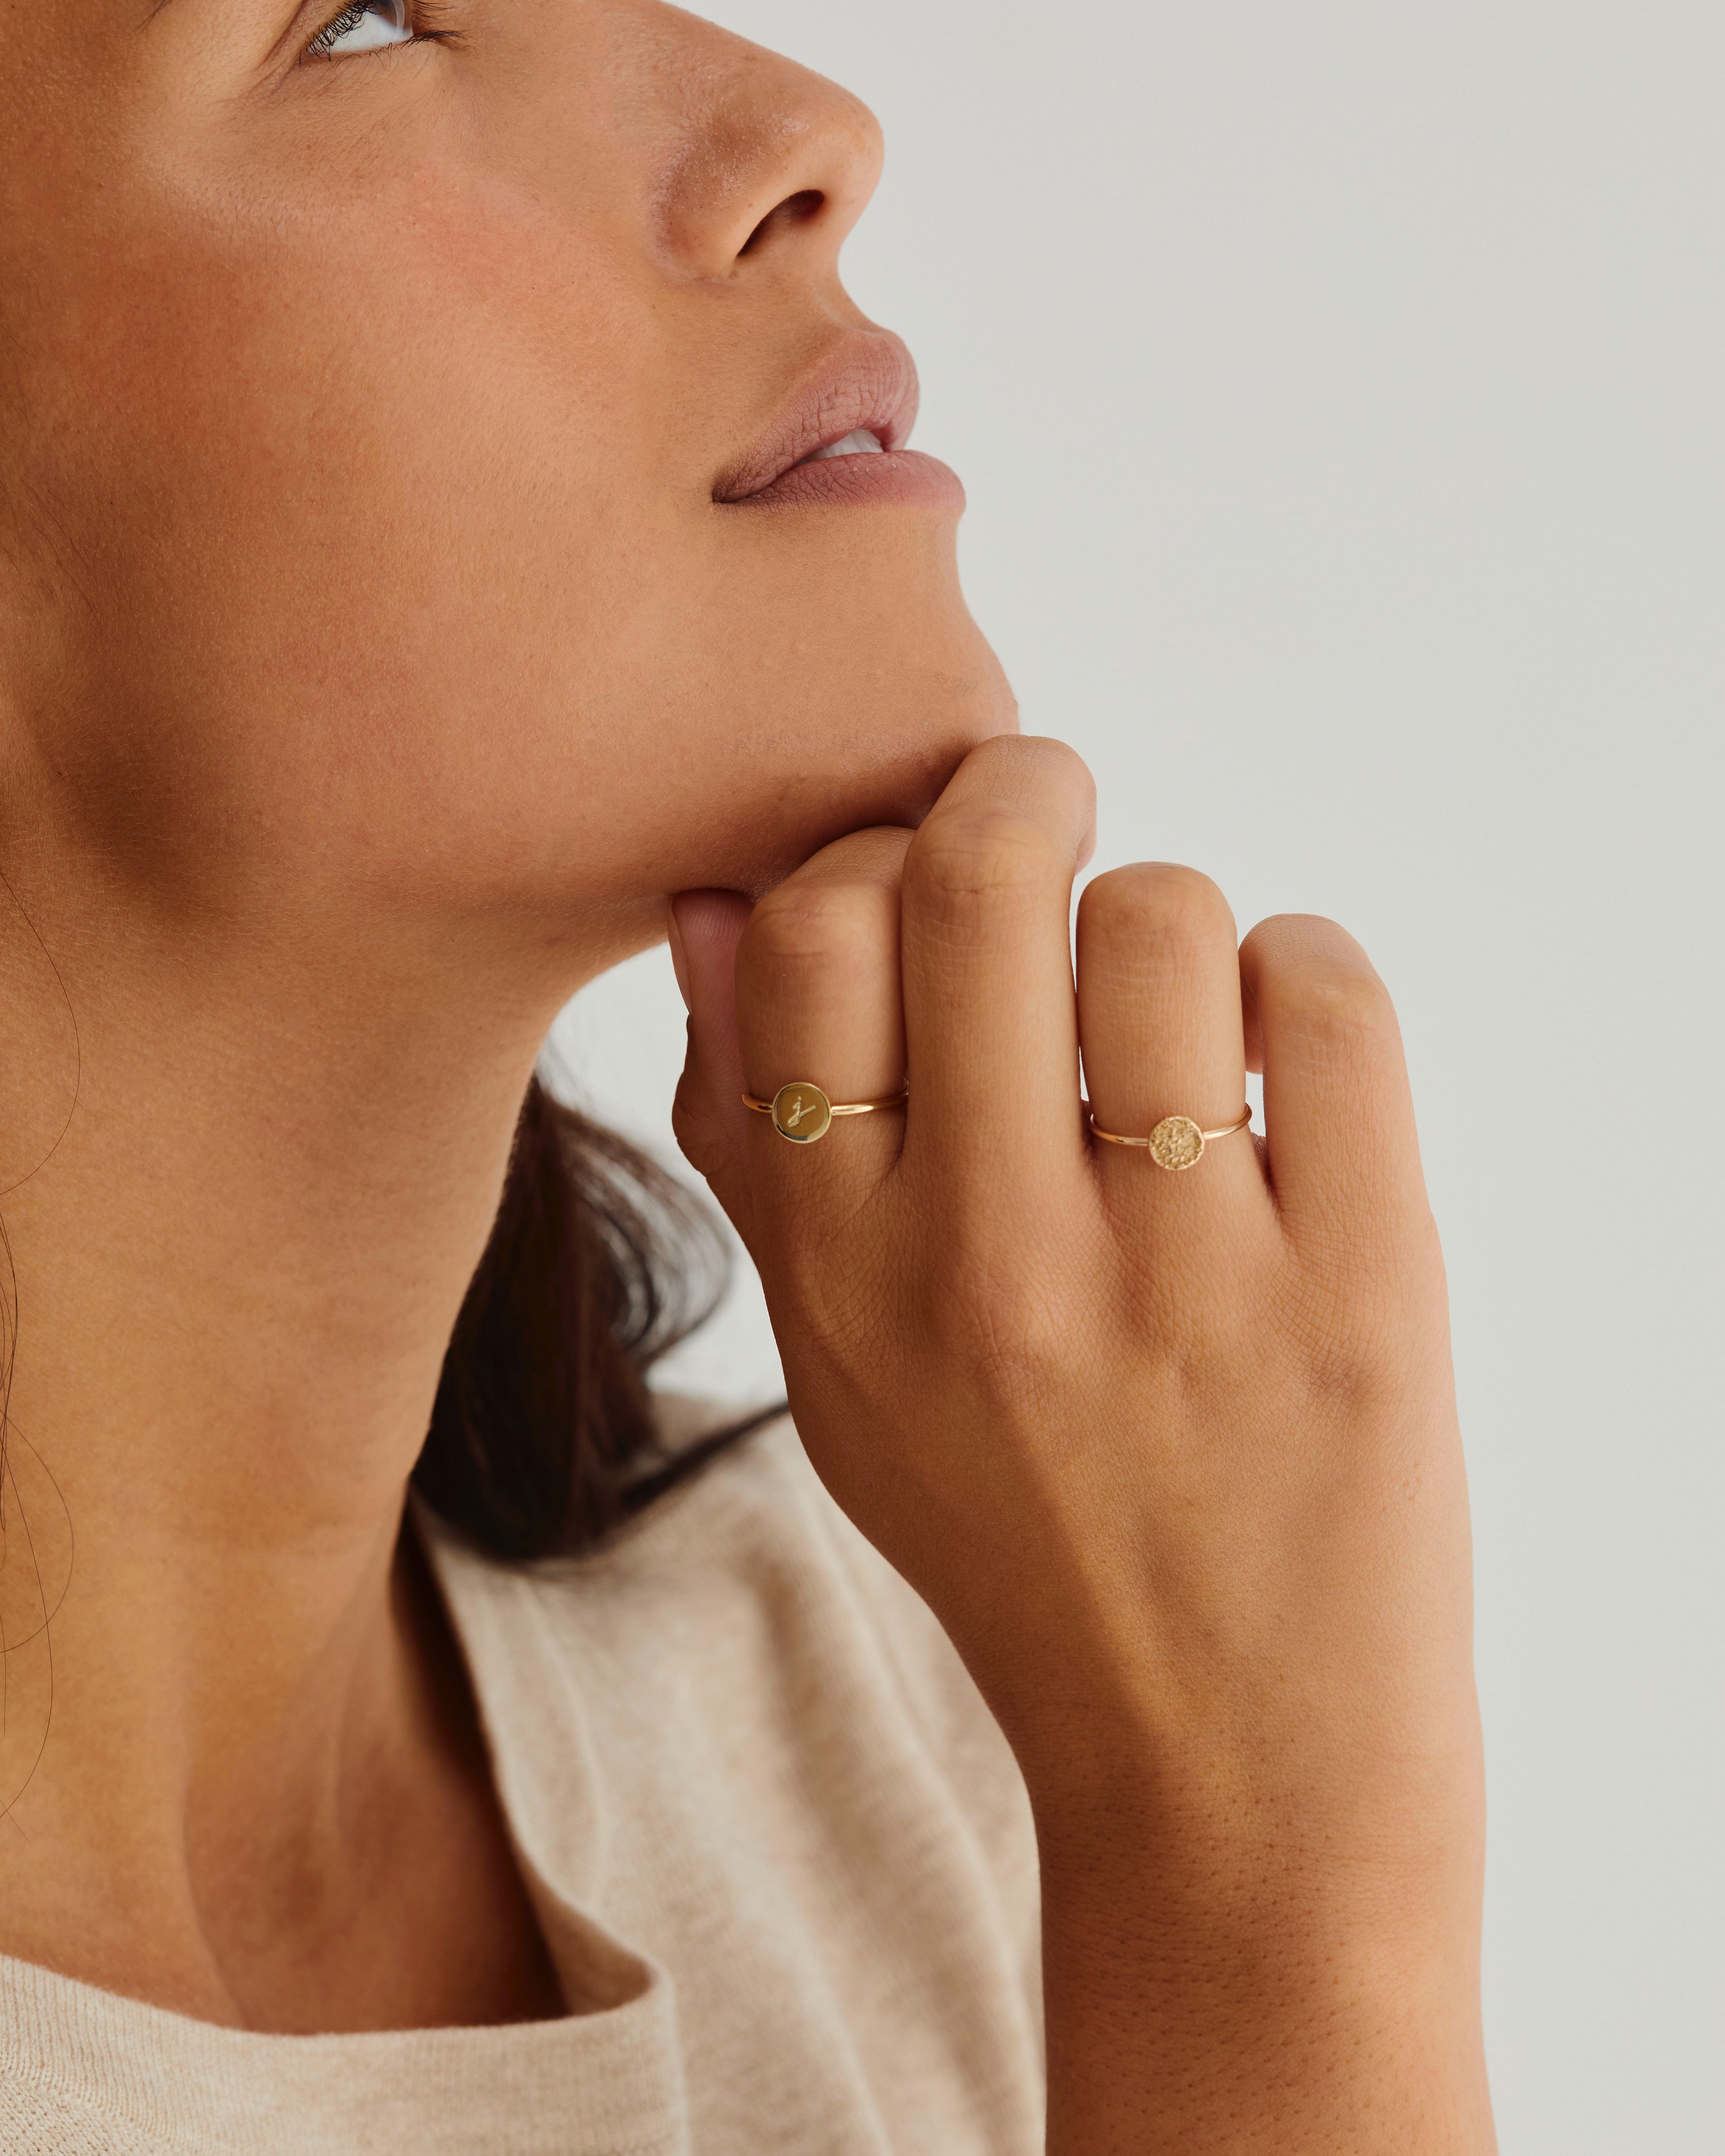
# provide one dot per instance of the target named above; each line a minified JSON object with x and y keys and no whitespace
{"x":870,"y":381}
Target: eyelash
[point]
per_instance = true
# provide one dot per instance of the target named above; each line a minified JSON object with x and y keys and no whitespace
{"x":425,"y":15}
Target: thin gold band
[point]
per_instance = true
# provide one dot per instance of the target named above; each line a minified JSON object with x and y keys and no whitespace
{"x":1176,"y":1142}
{"x":1114,"y":1137}
{"x":835,"y":1107}
{"x":801,"y":1113}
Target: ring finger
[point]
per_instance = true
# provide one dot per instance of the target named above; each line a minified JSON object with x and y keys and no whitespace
{"x":1164,"y":1054}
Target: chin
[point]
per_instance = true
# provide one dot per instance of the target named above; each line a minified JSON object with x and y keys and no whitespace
{"x":897,"y":781}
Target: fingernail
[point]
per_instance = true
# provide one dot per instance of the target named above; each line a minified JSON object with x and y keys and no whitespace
{"x":679,"y":958}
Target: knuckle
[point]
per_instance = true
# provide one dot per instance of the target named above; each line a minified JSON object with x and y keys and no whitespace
{"x":698,"y":1131}
{"x":692,"y":1129}
{"x":981,"y":855}
{"x":1312,"y":980}
{"x":803,"y":923}
{"x":1158,"y":901}
{"x":1331,"y":999}
{"x":1353,"y":1351}
{"x":1002,"y":1316}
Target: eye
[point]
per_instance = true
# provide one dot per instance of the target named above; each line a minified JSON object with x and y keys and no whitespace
{"x":363,"y":26}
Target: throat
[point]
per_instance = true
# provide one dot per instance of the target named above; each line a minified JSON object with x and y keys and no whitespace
{"x":350,"y":1869}
{"x":420,"y":1915}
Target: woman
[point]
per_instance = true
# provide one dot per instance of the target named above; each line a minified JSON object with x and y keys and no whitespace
{"x":448,"y":510}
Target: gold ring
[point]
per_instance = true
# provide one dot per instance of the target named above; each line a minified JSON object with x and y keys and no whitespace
{"x":802,"y":1113}
{"x":1176,"y":1141}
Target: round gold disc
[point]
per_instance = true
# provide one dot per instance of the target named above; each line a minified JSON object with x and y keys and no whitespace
{"x":801,"y":1112}
{"x":1176,"y":1142}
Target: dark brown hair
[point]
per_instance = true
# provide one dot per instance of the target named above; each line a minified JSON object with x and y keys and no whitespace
{"x":542,"y":1437}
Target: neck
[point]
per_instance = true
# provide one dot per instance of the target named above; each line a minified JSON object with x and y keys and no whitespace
{"x":235,"y":1273}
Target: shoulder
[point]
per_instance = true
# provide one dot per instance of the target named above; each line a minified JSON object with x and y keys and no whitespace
{"x":748,"y":1564}
{"x":743,"y":1616}
{"x":753,"y":1526}
{"x":738,"y":1738}
{"x":755,"y":1555}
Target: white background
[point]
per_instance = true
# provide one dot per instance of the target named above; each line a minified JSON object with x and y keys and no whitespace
{"x":1339,"y":392}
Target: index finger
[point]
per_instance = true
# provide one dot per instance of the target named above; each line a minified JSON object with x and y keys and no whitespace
{"x":991,"y":1027}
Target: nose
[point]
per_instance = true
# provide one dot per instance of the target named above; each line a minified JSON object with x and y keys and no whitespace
{"x":762,"y":159}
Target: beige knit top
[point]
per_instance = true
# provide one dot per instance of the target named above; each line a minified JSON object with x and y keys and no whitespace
{"x":781,"y":1854}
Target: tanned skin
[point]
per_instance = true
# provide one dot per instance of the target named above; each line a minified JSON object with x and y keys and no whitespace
{"x":382,"y":651}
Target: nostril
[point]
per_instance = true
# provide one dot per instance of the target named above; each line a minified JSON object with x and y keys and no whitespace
{"x":799,"y":209}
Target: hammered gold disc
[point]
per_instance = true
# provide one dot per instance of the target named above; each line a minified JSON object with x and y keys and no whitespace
{"x":801,"y":1112}
{"x":1176,"y":1142}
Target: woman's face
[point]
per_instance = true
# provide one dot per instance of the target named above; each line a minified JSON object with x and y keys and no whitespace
{"x":381,"y":438}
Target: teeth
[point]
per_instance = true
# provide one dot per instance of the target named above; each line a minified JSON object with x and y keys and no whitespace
{"x":861,"y":443}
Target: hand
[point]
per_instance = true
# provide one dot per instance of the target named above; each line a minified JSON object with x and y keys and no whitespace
{"x":1173,"y":1456}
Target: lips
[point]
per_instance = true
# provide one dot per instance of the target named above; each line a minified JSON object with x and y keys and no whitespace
{"x":840,"y":437}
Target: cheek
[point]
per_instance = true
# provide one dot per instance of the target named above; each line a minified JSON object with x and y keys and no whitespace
{"x":308,"y":500}
{"x":412,"y":578}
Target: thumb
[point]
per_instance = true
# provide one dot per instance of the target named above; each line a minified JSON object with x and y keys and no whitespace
{"x":709,"y":1118}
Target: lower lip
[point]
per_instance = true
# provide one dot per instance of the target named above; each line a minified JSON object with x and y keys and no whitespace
{"x":904,"y":478}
